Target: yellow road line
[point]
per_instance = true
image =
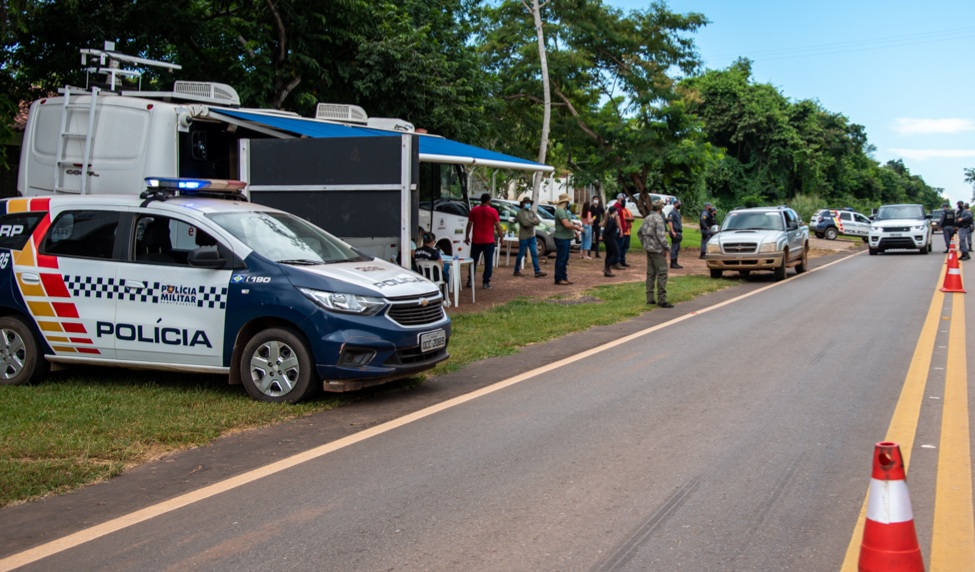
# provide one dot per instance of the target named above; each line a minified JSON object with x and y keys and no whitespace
{"x":92,"y":533}
{"x":953,"y":537}
{"x":903,"y":425}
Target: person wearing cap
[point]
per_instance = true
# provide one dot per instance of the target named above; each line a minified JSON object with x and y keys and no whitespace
{"x":527,"y":221}
{"x":947,"y":224}
{"x":653,"y":236}
{"x":626,"y":227}
{"x":707,"y":220}
{"x":565,"y":231}
{"x":429,"y":252}
{"x":484,"y":221}
{"x":675,"y":226}
{"x":963,"y":223}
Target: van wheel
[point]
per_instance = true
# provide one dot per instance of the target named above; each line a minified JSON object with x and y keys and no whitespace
{"x":276,"y":366}
{"x":21,"y":361}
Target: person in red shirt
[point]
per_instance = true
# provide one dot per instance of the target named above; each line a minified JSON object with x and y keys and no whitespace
{"x":484,"y":220}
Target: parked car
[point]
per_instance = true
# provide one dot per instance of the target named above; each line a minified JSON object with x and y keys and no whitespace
{"x":544,"y":233}
{"x":900,"y":227}
{"x":765,"y":238}
{"x":842,"y":223}
{"x":936,"y":219}
{"x":206,"y":283}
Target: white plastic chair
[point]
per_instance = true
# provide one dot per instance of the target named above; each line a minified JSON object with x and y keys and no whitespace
{"x":432,"y":270}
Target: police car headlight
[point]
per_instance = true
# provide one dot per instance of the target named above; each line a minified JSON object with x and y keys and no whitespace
{"x":345,"y":303}
{"x":769,"y":247}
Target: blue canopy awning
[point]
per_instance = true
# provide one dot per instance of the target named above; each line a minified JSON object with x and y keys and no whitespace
{"x":433,"y":149}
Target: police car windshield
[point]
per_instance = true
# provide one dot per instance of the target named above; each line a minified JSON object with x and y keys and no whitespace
{"x":286,"y":238}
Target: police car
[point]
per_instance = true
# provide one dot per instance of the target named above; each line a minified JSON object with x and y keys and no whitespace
{"x":192,"y":277}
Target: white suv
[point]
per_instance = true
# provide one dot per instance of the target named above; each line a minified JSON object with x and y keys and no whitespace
{"x":900,"y":227}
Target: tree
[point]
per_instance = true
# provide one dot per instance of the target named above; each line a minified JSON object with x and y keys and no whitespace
{"x":970,"y":179}
{"x":615,"y":112}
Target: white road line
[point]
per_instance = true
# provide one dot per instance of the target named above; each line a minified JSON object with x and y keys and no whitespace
{"x":87,"y":535}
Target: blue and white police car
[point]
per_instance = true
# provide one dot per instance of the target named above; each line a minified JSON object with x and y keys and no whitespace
{"x":192,"y":277}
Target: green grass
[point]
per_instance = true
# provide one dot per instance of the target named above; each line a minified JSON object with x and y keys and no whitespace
{"x":89,"y":424}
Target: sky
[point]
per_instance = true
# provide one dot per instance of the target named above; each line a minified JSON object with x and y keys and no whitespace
{"x":904,"y":70}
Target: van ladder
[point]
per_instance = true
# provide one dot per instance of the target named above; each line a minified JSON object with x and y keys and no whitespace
{"x":64,"y":161}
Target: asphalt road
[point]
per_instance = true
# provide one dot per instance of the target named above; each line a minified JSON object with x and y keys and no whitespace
{"x":736,"y":437}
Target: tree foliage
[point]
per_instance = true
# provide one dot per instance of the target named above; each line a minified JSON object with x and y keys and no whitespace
{"x":776,"y":149}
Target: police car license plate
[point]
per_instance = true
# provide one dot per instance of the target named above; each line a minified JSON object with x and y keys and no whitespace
{"x":433,"y":340}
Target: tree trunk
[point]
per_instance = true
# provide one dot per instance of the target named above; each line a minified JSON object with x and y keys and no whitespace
{"x":536,"y":10}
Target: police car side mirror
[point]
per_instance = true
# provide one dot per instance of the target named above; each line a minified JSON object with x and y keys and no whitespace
{"x":206,"y":258}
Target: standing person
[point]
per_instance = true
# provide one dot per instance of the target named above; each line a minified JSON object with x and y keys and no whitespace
{"x":947,"y":224}
{"x":626,"y":225}
{"x":597,"y":224}
{"x":706,"y":221}
{"x":586,"y":219}
{"x":653,"y":236}
{"x":964,"y":222}
{"x":971,"y":230}
{"x":527,"y":221}
{"x":484,"y":220}
{"x":611,"y":238}
{"x":675,"y":226}
{"x":565,"y":231}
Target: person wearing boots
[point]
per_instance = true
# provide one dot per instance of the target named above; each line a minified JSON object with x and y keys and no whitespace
{"x":675,"y":227}
{"x":611,"y":238}
{"x":653,"y":236}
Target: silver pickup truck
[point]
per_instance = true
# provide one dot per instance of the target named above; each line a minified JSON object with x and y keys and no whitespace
{"x":766,"y":238}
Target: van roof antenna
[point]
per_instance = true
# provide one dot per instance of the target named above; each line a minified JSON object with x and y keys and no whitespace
{"x":108,"y":62}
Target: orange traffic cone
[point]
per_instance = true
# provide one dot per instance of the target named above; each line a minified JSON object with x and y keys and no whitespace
{"x":953,"y":275}
{"x":889,"y":540}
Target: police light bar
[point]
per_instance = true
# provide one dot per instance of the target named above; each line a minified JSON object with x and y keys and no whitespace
{"x":183,"y":184}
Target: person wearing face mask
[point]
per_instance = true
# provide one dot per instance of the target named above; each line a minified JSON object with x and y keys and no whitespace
{"x":597,"y":218}
{"x":527,"y":221}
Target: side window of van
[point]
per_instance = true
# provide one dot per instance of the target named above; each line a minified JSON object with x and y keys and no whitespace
{"x":16,"y":228}
{"x":164,"y":240}
{"x":85,"y":234}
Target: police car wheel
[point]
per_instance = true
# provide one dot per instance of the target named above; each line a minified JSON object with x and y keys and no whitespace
{"x":831,"y":233}
{"x":20,"y":358}
{"x":276,"y":366}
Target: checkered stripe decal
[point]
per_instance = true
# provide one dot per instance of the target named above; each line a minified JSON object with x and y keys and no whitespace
{"x":211,"y":297}
{"x":92,"y":287}
{"x":111,"y":289}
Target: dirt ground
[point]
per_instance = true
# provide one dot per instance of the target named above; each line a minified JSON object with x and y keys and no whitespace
{"x":585,"y":274}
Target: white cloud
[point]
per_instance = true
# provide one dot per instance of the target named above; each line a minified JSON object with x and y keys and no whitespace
{"x":907,"y":126}
{"x":924,"y":154}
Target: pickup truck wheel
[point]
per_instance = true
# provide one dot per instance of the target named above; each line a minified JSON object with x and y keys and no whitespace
{"x":831,"y":233}
{"x":276,"y":366}
{"x":21,"y":361}
{"x":780,"y":270}
{"x":715,"y":273}
{"x":540,"y":247}
{"x":744,"y":272}
{"x":804,"y":261}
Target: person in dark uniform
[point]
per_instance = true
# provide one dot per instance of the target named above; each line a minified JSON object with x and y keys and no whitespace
{"x":706,"y":221}
{"x":597,"y":218}
{"x":947,"y":224}
{"x":675,"y":227}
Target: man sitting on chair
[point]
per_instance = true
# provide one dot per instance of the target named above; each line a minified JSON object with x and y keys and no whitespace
{"x":429,"y":252}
